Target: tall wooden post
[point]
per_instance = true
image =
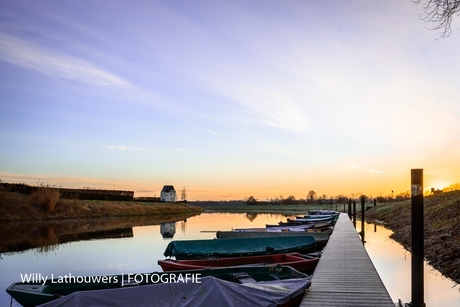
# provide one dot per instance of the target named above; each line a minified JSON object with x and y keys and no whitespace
{"x":354,"y":213}
{"x":363,"y":217}
{"x":417,"y":236}
{"x":349,"y":208}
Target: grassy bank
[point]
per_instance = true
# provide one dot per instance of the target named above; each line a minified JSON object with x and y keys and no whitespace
{"x":442,"y":229}
{"x":242,"y":207}
{"x":46,"y":205}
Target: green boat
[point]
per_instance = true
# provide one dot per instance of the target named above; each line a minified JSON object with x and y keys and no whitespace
{"x":33,"y":294}
{"x":239,"y":247}
{"x":320,"y":237}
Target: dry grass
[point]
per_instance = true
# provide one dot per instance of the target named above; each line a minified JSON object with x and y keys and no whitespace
{"x":46,"y":205}
{"x":46,"y":198}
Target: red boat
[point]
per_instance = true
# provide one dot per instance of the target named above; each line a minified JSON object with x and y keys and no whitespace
{"x":302,"y":263}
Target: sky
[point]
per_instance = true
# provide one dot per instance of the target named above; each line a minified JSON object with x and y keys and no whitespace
{"x":228,"y":99}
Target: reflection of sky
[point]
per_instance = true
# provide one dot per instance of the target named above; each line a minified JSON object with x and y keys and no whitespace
{"x":393,"y":264}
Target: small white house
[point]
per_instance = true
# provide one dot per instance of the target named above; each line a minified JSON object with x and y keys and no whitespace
{"x":168,"y":193}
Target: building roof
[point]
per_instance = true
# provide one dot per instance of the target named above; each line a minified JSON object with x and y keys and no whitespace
{"x":168,"y":189}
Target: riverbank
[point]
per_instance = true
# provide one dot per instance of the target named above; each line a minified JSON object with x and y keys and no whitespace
{"x":260,"y":208}
{"x":21,"y":207}
{"x":442,"y":229}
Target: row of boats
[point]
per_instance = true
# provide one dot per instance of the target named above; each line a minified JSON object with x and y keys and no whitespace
{"x":269,"y":266}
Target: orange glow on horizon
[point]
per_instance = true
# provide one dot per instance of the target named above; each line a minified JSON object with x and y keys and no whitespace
{"x":372,"y":186}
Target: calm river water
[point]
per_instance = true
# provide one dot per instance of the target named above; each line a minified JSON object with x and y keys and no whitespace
{"x":137,"y":249}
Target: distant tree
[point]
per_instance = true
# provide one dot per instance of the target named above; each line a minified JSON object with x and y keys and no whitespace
{"x":311,"y":196}
{"x":403,"y":196}
{"x":441,"y":13}
{"x":452,"y":187}
{"x":341,"y":199}
{"x":183,"y":194}
{"x":251,"y":200}
{"x":289,"y":200}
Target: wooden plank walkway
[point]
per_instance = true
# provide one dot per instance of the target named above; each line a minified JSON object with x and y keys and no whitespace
{"x":345,"y":275}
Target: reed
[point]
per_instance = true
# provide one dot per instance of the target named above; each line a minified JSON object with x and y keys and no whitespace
{"x":46,"y":198}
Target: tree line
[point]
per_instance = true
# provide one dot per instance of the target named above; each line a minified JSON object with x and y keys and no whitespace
{"x":313,"y":198}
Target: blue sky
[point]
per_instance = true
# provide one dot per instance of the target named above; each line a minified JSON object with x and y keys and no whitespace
{"x":227,"y":98}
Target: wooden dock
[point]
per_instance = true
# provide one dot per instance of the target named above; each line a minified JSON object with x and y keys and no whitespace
{"x":345,"y":275}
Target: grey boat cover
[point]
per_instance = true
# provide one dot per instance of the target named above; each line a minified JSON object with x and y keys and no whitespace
{"x":238,"y":247}
{"x":210,"y":292}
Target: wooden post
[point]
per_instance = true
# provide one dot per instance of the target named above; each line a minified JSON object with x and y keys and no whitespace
{"x":349,"y":208}
{"x":354,"y":213}
{"x":363,"y":215}
{"x":417,"y":236}
{"x":375,"y":202}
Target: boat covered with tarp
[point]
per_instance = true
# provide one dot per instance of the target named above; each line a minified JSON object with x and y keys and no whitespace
{"x":240,"y":247}
{"x":320,"y":237}
{"x":30,"y":294}
{"x":210,"y":291}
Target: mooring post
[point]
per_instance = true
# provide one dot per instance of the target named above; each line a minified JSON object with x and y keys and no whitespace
{"x":349,"y":208}
{"x":354,"y":213}
{"x":363,"y":215}
{"x":375,"y":202}
{"x":417,"y":236}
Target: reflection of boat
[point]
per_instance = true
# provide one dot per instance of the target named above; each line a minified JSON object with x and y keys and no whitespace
{"x":193,"y":249}
{"x":210,"y":291}
{"x":86,"y":288}
{"x":320,"y":237}
{"x":302,"y":264}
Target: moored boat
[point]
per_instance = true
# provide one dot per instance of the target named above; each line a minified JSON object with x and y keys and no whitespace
{"x":294,"y":260}
{"x":36,"y":293}
{"x":313,"y":219}
{"x":320,"y":237}
{"x":210,"y":291}
{"x":194,"y":249}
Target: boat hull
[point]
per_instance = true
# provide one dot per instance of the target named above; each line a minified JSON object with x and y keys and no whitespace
{"x":293,"y":260}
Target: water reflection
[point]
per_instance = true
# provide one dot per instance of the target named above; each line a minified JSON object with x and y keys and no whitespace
{"x":168,"y":230}
{"x":46,"y":236}
{"x":251,"y":216}
{"x":142,"y":245}
{"x":393,"y":263}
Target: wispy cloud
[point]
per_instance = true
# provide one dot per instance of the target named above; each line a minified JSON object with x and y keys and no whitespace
{"x":123,"y":148}
{"x":22,"y":53}
{"x":376,"y":172}
{"x":210,"y":131}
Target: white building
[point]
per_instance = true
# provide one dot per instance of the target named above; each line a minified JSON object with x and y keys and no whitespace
{"x":168,"y":193}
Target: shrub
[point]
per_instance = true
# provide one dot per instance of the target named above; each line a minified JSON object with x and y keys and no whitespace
{"x":46,"y":198}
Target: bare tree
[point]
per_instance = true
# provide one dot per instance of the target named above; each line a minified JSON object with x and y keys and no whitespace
{"x":311,"y":195}
{"x":440,"y":12}
{"x":183,"y":194}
